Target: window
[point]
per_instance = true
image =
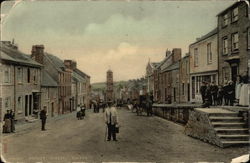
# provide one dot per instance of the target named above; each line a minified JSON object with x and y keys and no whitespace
{"x":209,"y":54}
{"x":19,"y":75}
{"x":28,"y":75}
{"x":35,"y":76}
{"x":19,"y":104}
{"x":7,"y":75}
{"x":196,"y":57}
{"x":248,"y":38}
{"x":183,"y":88}
{"x":235,"y":41}
{"x":7,"y":103}
{"x":225,"y":20}
{"x":235,"y":14}
{"x":225,"y":45}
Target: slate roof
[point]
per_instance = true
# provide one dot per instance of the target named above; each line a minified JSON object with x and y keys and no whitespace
{"x":57,"y":62}
{"x":14,"y":56}
{"x":172,"y":67}
{"x":47,"y":80}
{"x":77,"y":77}
{"x":81,"y":73}
{"x":209,"y":34}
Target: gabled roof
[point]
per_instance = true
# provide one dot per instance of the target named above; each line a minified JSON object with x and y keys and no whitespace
{"x":230,"y":7}
{"x":209,"y":34}
{"x":77,"y":77}
{"x":81,"y":73}
{"x":47,"y":80}
{"x":57,"y":62}
{"x":15,"y":56}
{"x":155,"y":64}
{"x":172,"y":67}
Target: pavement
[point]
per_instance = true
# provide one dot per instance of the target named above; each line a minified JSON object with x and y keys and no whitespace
{"x":141,"y":139}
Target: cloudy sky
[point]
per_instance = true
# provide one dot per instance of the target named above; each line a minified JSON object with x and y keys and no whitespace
{"x":102,"y":34}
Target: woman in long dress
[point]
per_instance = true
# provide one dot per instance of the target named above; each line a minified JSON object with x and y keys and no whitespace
{"x":7,"y":122}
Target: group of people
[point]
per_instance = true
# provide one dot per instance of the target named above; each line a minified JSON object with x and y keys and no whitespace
{"x":145,"y":104}
{"x":9,"y":122}
{"x":231,"y":93}
{"x":80,"y":114}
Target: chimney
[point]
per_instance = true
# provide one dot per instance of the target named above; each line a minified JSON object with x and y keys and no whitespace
{"x":37,"y":53}
{"x":70,"y":64}
{"x":168,"y":53}
{"x":176,"y":54}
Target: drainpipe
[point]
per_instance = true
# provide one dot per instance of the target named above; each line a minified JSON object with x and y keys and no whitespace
{"x":14,"y":82}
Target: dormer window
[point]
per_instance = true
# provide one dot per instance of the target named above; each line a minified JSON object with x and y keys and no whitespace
{"x":235,"y":14}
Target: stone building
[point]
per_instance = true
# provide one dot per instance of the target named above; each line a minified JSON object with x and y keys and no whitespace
{"x":166,"y":78}
{"x":85,"y":88}
{"x":203,"y":63}
{"x":20,"y":82}
{"x":233,"y":41}
{"x":78,"y":85}
{"x":110,"y":86}
{"x":58,"y":72}
{"x":184,"y":79}
{"x":49,"y":94}
{"x":151,"y":66}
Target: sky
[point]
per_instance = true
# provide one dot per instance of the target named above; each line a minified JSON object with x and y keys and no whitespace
{"x":98,"y":35}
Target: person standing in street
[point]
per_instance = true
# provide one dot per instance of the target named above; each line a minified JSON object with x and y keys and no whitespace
{"x":214,"y":92}
{"x":12,"y":120}
{"x":203,"y":91}
{"x":7,"y":122}
{"x":43,"y":117}
{"x":111,"y":120}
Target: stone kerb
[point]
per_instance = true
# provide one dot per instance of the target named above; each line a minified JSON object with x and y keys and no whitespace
{"x":199,"y":126}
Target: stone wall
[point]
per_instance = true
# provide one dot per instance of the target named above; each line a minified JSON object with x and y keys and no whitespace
{"x":199,"y":126}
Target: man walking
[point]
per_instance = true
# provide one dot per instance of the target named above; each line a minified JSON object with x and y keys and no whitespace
{"x":43,"y":117}
{"x":111,"y":120}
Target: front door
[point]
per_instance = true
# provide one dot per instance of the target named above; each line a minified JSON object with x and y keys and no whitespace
{"x":234,"y":73}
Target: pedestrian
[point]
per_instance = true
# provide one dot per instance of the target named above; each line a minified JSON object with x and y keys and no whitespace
{"x":111,"y":120}
{"x":43,"y":117}
{"x":208,"y":96}
{"x":203,"y":91}
{"x":7,"y":122}
{"x":214,"y":92}
{"x":12,"y":120}
{"x":78,"y":112}
{"x":83,"y":108}
{"x":220,"y":94}
{"x":225,"y":88}
{"x":231,"y":93}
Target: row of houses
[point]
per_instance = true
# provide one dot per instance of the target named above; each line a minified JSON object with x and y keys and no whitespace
{"x":219,"y":56}
{"x":30,"y":82}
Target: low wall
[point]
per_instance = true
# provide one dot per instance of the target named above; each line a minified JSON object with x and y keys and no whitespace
{"x":199,"y":127}
{"x":174,"y":112}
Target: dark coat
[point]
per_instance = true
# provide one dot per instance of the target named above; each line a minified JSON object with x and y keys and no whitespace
{"x":203,"y":89}
{"x":43,"y":114}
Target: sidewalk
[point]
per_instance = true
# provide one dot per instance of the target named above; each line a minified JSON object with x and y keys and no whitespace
{"x":23,"y":126}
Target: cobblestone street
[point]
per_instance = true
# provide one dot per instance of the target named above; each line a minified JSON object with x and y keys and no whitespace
{"x":140,"y":139}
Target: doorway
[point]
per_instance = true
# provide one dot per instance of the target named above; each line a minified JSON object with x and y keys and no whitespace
{"x":234,"y":73}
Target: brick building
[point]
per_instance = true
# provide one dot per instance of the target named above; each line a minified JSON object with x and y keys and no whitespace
{"x":203,"y":63}
{"x":20,"y":82}
{"x":233,"y":41}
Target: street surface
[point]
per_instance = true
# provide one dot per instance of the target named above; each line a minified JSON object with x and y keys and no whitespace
{"x":141,"y":139}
